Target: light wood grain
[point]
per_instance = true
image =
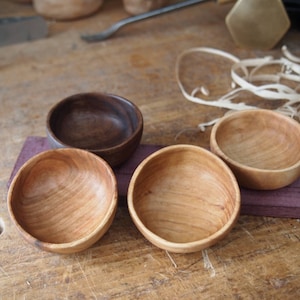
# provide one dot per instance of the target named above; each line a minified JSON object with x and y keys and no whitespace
{"x":183,"y":199}
{"x":260,"y":146}
{"x":66,"y":10}
{"x":63,"y":200}
{"x":136,"y":7}
{"x":259,"y":259}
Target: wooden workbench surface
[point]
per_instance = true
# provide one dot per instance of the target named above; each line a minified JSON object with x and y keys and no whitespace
{"x":259,"y":259}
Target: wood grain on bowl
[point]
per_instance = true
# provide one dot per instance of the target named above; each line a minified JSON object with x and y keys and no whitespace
{"x":136,"y":7}
{"x":66,"y":9}
{"x":183,"y":198}
{"x":262,"y":147}
{"x":63,"y":200}
{"x":105,"y":124}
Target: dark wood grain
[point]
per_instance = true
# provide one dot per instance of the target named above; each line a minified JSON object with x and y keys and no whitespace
{"x":107,"y":125}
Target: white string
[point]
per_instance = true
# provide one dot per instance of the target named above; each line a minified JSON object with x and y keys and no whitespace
{"x":221,"y":102}
{"x":245,"y":78}
{"x":289,"y":55}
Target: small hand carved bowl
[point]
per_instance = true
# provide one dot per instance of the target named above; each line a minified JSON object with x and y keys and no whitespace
{"x":262,"y":148}
{"x":136,"y":7}
{"x":66,"y":9}
{"x":63,"y":200}
{"x":183,"y":198}
{"x":107,"y":125}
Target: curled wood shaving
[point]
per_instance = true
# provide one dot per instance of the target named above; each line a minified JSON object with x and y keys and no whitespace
{"x":247,"y":75}
{"x":171,"y":259}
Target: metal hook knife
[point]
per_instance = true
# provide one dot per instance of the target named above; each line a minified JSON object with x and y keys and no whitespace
{"x":115,"y":27}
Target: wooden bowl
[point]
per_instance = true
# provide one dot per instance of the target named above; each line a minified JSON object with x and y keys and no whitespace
{"x":66,"y":9}
{"x":136,"y":7}
{"x":63,"y":200}
{"x":107,"y":125}
{"x":261,"y":147}
{"x":183,"y":198}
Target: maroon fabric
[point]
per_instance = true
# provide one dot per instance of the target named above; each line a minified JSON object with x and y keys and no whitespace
{"x":283,"y":202}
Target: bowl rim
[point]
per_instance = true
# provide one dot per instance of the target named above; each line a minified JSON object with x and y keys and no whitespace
{"x":214,"y":145}
{"x":121,"y":99}
{"x":185,"y":246}
{"x":76,"y":243}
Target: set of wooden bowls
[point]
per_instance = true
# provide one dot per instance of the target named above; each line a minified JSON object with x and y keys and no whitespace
{"x":74,"y":9}
{"x":182,"y":198}
{"x":63,"y":200}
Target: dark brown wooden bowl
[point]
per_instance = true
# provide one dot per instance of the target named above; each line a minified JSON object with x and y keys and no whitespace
{"x":107,"y":125}
{"x":261,"y":147}
{"x":183,"y":198}
{"x":63,"y":200}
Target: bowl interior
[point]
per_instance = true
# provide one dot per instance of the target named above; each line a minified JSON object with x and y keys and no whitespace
{"x":259,"y":139}
{"x":184,"y":194}
{"x":61,"y":196}
{"x":94,"y":121}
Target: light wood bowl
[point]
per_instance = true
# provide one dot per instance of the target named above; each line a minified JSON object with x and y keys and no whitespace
{"x":183,"y":198}
{"x":105,"y":124}
{"x":136,"y":7}
{"x":63,"y":200}
{"x":261,"y":147}
{"x":66,"y":9}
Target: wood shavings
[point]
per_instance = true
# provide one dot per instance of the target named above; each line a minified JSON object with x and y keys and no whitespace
{"x":248,"y":75}
{"x":289,"y":55}
{"x":28,"y":283}
{"x":207,"y":264}
{"x":171,"y":259}
{"x":223,"y":102}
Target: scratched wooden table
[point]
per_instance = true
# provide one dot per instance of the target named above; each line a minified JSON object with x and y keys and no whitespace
{"x":260,"y":257}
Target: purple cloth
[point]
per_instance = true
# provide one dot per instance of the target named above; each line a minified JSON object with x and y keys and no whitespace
{"x":283,"y":202}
